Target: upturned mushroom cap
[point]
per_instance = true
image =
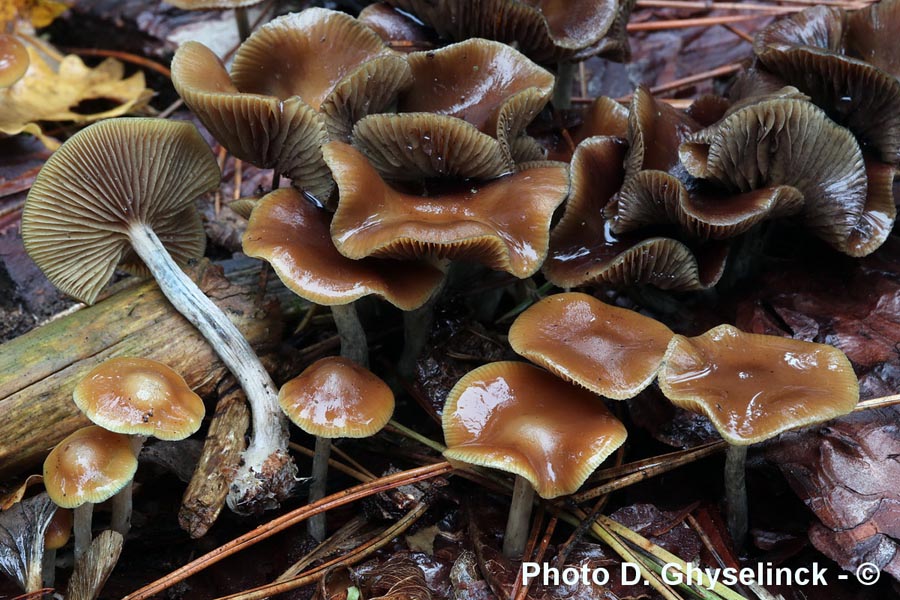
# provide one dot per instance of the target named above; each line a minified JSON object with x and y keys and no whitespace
{"x":14,"y":60}
{"x":655,"y":131}
{"x":336,"y":398}
{"x":613,"y":352}
{"x":292,"y":235}
{"x":521,"y":419}
{"x":59,"y":530}
{"x":106,"y":177}
{"x":139,"y":396}
{"x":604,"y":117}
{"x":753,"y":387}
{"x":394,"y":26}
{"x":502,"y":223}
{"x":91,"y":465}
{"x":584,"y":249}
{"x":792,"y":142}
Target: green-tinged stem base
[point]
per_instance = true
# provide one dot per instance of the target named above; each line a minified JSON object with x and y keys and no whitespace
{"x":736,"y":494}
{"x":318,"y":486}
{"x":519,"y":521}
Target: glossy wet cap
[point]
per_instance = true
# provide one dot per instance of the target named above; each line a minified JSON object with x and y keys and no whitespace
{"x":613,"y":352}
{"x":106,"y":177}
{"x":753,"y":387}
{"x":336,"y":398}
{"x":59,"y":530}
{"x":91,"y":465}
{"x":14,"y":60}
{"x":292,"y":235}
{"x":521,"y":419}
{"x":474,"y":221}
{"x":140,"y":396}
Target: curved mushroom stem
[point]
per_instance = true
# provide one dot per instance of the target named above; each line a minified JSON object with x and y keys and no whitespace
{"x":519,"y":521}
{"x":562,"y":91}
{"x":353,"y":337}
{"x":267,"y":474}
{"x":122,"y":502}
{"x":736,"y":493}
{"x":82,"y":517}
{"x":243,"y":22}
{"x":48,"y":568}
{"x":318,"y":486}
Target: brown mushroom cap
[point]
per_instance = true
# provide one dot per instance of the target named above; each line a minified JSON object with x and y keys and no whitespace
{"x":14,"y":60}
{"x":106,"y":177}
{"x":59,"y":530}
{"x":91,"y":465}
{"x":521,"y":419}
{"x":501,"y":223}
{"x":336,"y":398}
{"x":613,"y":352}
{"x":292,"y":235}
{"x":655,"y":131}
{"x":393,"y":26}
{"x":140,"y":396}
{"x":753,"y":387}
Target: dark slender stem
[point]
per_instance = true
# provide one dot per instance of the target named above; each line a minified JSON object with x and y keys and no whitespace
{"x":518,"y":522}
{"x":82,"y":515}
{"x":48,"y":569}
{"x":318,"y":486}
{"x":353,"y":337}
{"x":276,"y":180}
{"x":416,"y":329}
{"x":736,"y":493}
{"x":562,"y":93}
{"x":243,"y":22}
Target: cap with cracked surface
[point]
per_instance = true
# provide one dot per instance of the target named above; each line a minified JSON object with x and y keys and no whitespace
{"x":91,"y":465}
{"x":14,"y":60}
{"x":474,"y":221}
{"x":753,"y":387}
{"x":521,"y":419}
{"x":336,"y":398}
{"x":293,"y":236}
{"x":613,"y":352}
{"x":103,"y":179}
{"x":140,"y":396}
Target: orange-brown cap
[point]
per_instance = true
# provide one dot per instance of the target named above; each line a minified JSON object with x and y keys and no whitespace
{"x":753,"y":387}
{"x":140,"y":396}
{"x":59,"y":530}
{"x":14,"y":60}
{"x":474,"y":221}
{"x":91,"y":465}
{"x":611,"y":351}
{"x":336,"y":398}
{"x":521,"y":419}
{"x":292,"y":235}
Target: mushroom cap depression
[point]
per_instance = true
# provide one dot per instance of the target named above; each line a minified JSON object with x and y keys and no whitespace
{"x":139,"y":396}
{"x":613,"y":352}
{"x":106,"y":177}
{"x":336,"y":398}
{"x":91,"y":465}
{"x":753,"y":387}
{"x":292,"y":235}
{"x":14,"y":60}
{"x":521,"y":419}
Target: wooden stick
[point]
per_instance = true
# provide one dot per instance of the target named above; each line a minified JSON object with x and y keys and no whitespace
{"x":767,"y":8}
{"x":685,"y":23}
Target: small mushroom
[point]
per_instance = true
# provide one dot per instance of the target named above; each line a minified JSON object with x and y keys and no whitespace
{"x":88,"y":467}
{"x":241,"y":18}
{"x":123,"y":190}
{"x":334,"y":398}
{"x":521,"y":419}
{"x":14,"y":60}
{"x":141,"y":398}
{"x":611,"y":351}
{"x":753,"y":387}
{"x":57,"y":535}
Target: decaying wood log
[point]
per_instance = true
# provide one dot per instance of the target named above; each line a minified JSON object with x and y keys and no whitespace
{"x":39,"y":370}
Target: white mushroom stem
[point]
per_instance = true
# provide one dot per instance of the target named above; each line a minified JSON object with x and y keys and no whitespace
{"x":353,"y":337}
{"x":81,"y":524}
{"x":736,"y":493}
{"x":519,"y":520}
{"x":122,"y":501}
{"x":267,"y":474}
{"x":318,"y":486}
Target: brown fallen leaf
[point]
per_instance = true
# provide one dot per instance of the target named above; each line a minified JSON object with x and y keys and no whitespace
{"x":397,"y":578}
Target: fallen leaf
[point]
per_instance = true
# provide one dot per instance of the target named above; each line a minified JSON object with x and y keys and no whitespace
{"x":38,"y":13}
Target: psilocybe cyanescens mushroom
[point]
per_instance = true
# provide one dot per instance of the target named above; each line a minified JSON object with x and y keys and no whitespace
{"x":122,"y":192}
{"x":14,"y":60}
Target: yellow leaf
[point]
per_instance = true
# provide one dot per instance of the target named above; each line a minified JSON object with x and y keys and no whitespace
{"x":53,"y":87}
{"x":39,"y":13}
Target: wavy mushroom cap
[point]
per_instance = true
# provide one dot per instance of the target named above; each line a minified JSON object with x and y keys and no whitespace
{"x":753,"y":387}
{"x":604,"y":117}
{"x":336,"y":398}
{"x":792,"y":142}
{"x":546,"y":30}
{"x":503,"y":223}
{"x":584,"y":249}
{"x":847,"y":63}
{"x":14,"y":60}
{"x":293,"y":236}
{"x":521,"y":419}
{"x":392,"y":25}
{"x":613,"y":352}
{"x":655,"y":131}
{"x":102,"y":180}
{"x":91,"y":465}
{"x":140,"y":396}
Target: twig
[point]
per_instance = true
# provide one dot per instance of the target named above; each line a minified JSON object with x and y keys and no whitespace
{"x":124,"y":56}
{"x":740,"y":33}
{"x":334,"y":464}
{"x":698,"y":22}
{"x":768,"y":8}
